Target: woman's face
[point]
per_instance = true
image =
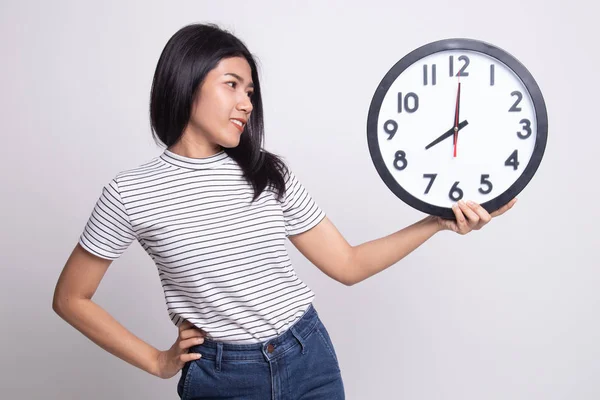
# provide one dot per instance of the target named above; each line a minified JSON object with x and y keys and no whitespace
{"x":223,"y":98}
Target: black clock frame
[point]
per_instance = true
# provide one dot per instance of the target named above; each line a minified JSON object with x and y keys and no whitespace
{"x":458,"y":44}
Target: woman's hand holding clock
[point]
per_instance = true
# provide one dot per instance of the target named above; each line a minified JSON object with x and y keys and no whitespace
{"x":470,"y":216}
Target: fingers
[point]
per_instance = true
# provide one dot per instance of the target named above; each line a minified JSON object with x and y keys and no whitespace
{"x":466,"y":218}
{"x":472,"y":216}
{"x":188,"y":337}
{"x":187,"y":357}
{"x":191,"y":333}
{"x":484,"y":216}
{"x":187,"y":343}
{"x":188,"y":330}
{"x":461,"y":222}
{"x":185,"y":325}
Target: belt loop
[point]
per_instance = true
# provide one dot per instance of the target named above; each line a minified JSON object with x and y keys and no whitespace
{"x":298,"y":337}
{"x":219,"y":355}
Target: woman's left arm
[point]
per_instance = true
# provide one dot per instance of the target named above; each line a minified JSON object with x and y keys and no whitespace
{"x":326,"y":248}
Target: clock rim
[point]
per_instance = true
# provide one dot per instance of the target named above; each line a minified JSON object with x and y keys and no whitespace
{"x":458,"y":44}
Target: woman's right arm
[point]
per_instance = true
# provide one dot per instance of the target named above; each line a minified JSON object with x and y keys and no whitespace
{"x":72,"y":301}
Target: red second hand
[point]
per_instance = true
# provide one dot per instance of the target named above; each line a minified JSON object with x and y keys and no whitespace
{"x":456,"y":116}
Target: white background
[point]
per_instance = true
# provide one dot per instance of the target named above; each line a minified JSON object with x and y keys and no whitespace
{"x":510,"y":312}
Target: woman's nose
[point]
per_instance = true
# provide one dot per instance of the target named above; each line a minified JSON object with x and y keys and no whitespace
{"x":245,"y":105}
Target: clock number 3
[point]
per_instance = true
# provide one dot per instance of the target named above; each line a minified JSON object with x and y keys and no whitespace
{"x":526,"y":127}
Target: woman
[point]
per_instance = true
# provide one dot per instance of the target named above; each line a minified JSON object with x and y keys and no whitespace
{"x":213,"y":211}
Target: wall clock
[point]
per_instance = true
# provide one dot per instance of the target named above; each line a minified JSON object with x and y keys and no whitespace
{"x":457,"y":119}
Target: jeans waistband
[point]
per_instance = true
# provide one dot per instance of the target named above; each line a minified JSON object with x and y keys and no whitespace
{"x":264,"y":351}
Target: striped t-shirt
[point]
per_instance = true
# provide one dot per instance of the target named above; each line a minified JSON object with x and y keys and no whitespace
{"x":221,"y":259}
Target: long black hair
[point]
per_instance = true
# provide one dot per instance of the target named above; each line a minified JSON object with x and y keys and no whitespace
{"x":190,"y":54}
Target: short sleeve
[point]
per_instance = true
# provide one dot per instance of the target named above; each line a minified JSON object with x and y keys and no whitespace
{"x":300,"y":211}
{"x":108,"y":232}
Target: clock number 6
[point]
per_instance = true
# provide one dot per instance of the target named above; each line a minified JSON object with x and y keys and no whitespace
{"x":455,"y":192}
{"x":400,"y":157}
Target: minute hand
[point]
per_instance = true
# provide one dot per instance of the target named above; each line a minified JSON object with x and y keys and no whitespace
{"x":446,"y":135}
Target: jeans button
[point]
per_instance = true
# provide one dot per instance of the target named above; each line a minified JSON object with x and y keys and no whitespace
{"x":270,"y":348}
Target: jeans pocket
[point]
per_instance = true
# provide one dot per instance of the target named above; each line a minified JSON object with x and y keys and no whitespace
{"x":184,"y":379}
{"x":324,"y":336}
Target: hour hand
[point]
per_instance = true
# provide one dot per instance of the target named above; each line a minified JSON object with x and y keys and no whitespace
{"x":446,"y":135}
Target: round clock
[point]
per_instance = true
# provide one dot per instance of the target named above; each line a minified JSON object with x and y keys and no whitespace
{"x":457,"y":119}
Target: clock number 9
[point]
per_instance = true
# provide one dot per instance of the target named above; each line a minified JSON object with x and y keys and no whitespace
{"x":400,"y":157}
{"x":455,"y":192}
{"x":390,"y":131}
{"x":527,"y":127}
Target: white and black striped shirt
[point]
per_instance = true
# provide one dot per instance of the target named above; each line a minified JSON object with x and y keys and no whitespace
{"x":221,"y":259}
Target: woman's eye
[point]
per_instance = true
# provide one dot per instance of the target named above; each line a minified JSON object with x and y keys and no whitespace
{"x":232,"y":84}
{"x":250,"y":94}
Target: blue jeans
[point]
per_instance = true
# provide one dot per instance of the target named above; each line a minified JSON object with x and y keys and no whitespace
{"x":298,"y":364}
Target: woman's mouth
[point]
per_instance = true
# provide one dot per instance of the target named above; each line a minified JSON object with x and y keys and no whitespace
{"x":238,"y":124}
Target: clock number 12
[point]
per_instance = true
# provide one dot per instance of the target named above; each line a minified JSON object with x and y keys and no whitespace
{"x":463,"y":70}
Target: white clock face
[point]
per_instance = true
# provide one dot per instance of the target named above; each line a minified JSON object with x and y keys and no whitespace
{"x":496,"y":119}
